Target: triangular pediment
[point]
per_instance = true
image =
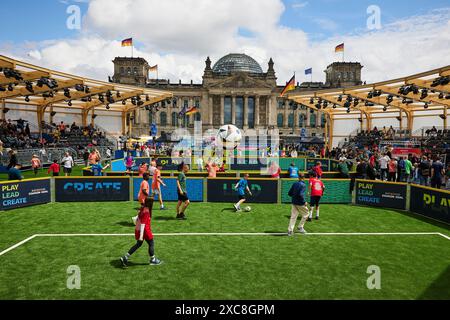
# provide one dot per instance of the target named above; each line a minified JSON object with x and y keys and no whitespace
{"x":241,"y":80}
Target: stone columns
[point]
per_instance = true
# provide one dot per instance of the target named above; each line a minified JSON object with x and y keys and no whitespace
{"x":308,"y":116}
{"x":222,"y":110}
{"x":245,"y":126}
{"x":286,"y":114}
{"x":256,"y":112}
{"x":233,"y":110}
{"x":211,"y":110}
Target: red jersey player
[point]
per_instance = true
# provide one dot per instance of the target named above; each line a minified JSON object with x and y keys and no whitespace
{"x":316,"y":189}
{"x":144,"y":192}
{"x":143,"y":231}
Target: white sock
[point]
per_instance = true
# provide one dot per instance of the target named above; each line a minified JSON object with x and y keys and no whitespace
{"x":311,"y":213}
{"x":317,"y":212}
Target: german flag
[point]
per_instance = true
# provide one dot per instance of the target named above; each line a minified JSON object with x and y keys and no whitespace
{"x":127,"y":42}
{"x":192,"y":111}
{"x":289,"y":86}
{"x":339,"y":48}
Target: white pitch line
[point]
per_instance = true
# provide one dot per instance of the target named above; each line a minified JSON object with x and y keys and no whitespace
{"x":225,"y":234}
{"x":17,"y":245}
{"x":445,"y":236}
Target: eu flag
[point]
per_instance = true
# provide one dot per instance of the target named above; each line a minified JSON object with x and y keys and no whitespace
{"x":308,"y":71}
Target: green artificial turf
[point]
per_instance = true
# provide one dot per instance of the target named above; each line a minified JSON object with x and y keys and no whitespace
{"x":42,"y":173}
{"x":222,"y":267}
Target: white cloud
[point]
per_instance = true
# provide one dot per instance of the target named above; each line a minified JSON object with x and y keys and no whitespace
{"x":326,"y":24}
{"x":299,"y":5}
{"x":178,"y":35}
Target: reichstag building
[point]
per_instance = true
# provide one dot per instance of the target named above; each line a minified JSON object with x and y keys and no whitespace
{"x":235,"y":90}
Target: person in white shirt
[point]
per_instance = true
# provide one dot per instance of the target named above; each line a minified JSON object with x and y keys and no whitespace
{"x":147,"y":152}
{"x":200,"y":164}
{"x":67,"y":163}
{"x":108,"y":154}
{"x":383,"y":161}
{"x":294,"y":154}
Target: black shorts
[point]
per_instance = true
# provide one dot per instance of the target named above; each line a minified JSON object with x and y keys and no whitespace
{"x":242,"y":197}
{"x":315,"y":200}
{"x":67,"y":170}
{"x":129,"y":168}
{"x":182,"y":197}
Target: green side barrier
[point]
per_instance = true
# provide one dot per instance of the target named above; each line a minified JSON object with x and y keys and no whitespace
{"x":336,"y":191}
{"x":285,"y":163}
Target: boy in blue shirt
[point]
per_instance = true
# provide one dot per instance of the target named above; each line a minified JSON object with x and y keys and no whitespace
{"x":97,"y":169}
{"x":293,"y":171}
{"x":299,"y":205}
{"x":241,"y":187}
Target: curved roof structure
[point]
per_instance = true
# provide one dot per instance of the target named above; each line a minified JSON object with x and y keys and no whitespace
{"x":22,"y":83}
{"x":237,"y":62}
{"x":418,"y":95}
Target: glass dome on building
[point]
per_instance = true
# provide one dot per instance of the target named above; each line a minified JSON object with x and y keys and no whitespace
{"x":237,"y":62}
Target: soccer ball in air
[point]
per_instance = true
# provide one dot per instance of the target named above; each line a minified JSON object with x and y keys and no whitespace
{"x":230,"y":135}
{"x":248,"y":209}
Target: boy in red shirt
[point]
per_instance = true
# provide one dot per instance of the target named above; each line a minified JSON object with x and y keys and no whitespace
{"x":144,"y":193}
{"x":316,"y":189}
{"x":143,"y":232}
{"x":54,"y":167}
{"x":317,"y":169}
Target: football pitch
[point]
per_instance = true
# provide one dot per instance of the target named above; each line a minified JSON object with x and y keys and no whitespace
{"x":218,"y":254}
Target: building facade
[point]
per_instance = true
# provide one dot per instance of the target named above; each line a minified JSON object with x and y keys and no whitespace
{"x":235,"y":90}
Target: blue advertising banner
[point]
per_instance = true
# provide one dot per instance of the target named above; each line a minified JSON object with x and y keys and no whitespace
{"x":25,"y":193}
{"x":432,"y":203}
{"x":222,"y":190}
{"x":169,"y":193}
{"x":381,"y":194}
{"x":92,"y":189}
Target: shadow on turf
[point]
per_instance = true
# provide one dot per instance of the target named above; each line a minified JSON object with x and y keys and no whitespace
{"x":439,"y":289}
{"x":228,"y":209}
{"x":125,"y":224}
{"x":118,"y":265}
{"x":423,"y":219}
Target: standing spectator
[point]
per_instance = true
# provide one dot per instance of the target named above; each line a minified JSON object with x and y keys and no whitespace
{"x":129,"y":162}
{"x":415,"y":174}
{"x":108,"y":154}
{"x":408,"y":170}
{"x":14,"y":172}
{"x":318,"y":169}
{"x":343,"y":169}
{"x":383,"y":162}
{"x":67,"y":163}
{"x":401,"y":170}
{"x":392,"y":167}
{"x":86,"y":157}
{"x":424,"y":171}
{"x":54,"y":168}
{"x":437,"y":172}
{"x":293,"y":171}
{"x":12,"y":158}
{"x":447,"y":177}
{"x":200,"y":164}
{"x":274,"y":170}
{"x":212,"y":169}
{"x":35,"y":164}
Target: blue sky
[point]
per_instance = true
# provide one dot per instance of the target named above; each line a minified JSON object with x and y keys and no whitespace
{"x":347,"y":16}
{"x":46,"y":19}
{"x":297,"y":34}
